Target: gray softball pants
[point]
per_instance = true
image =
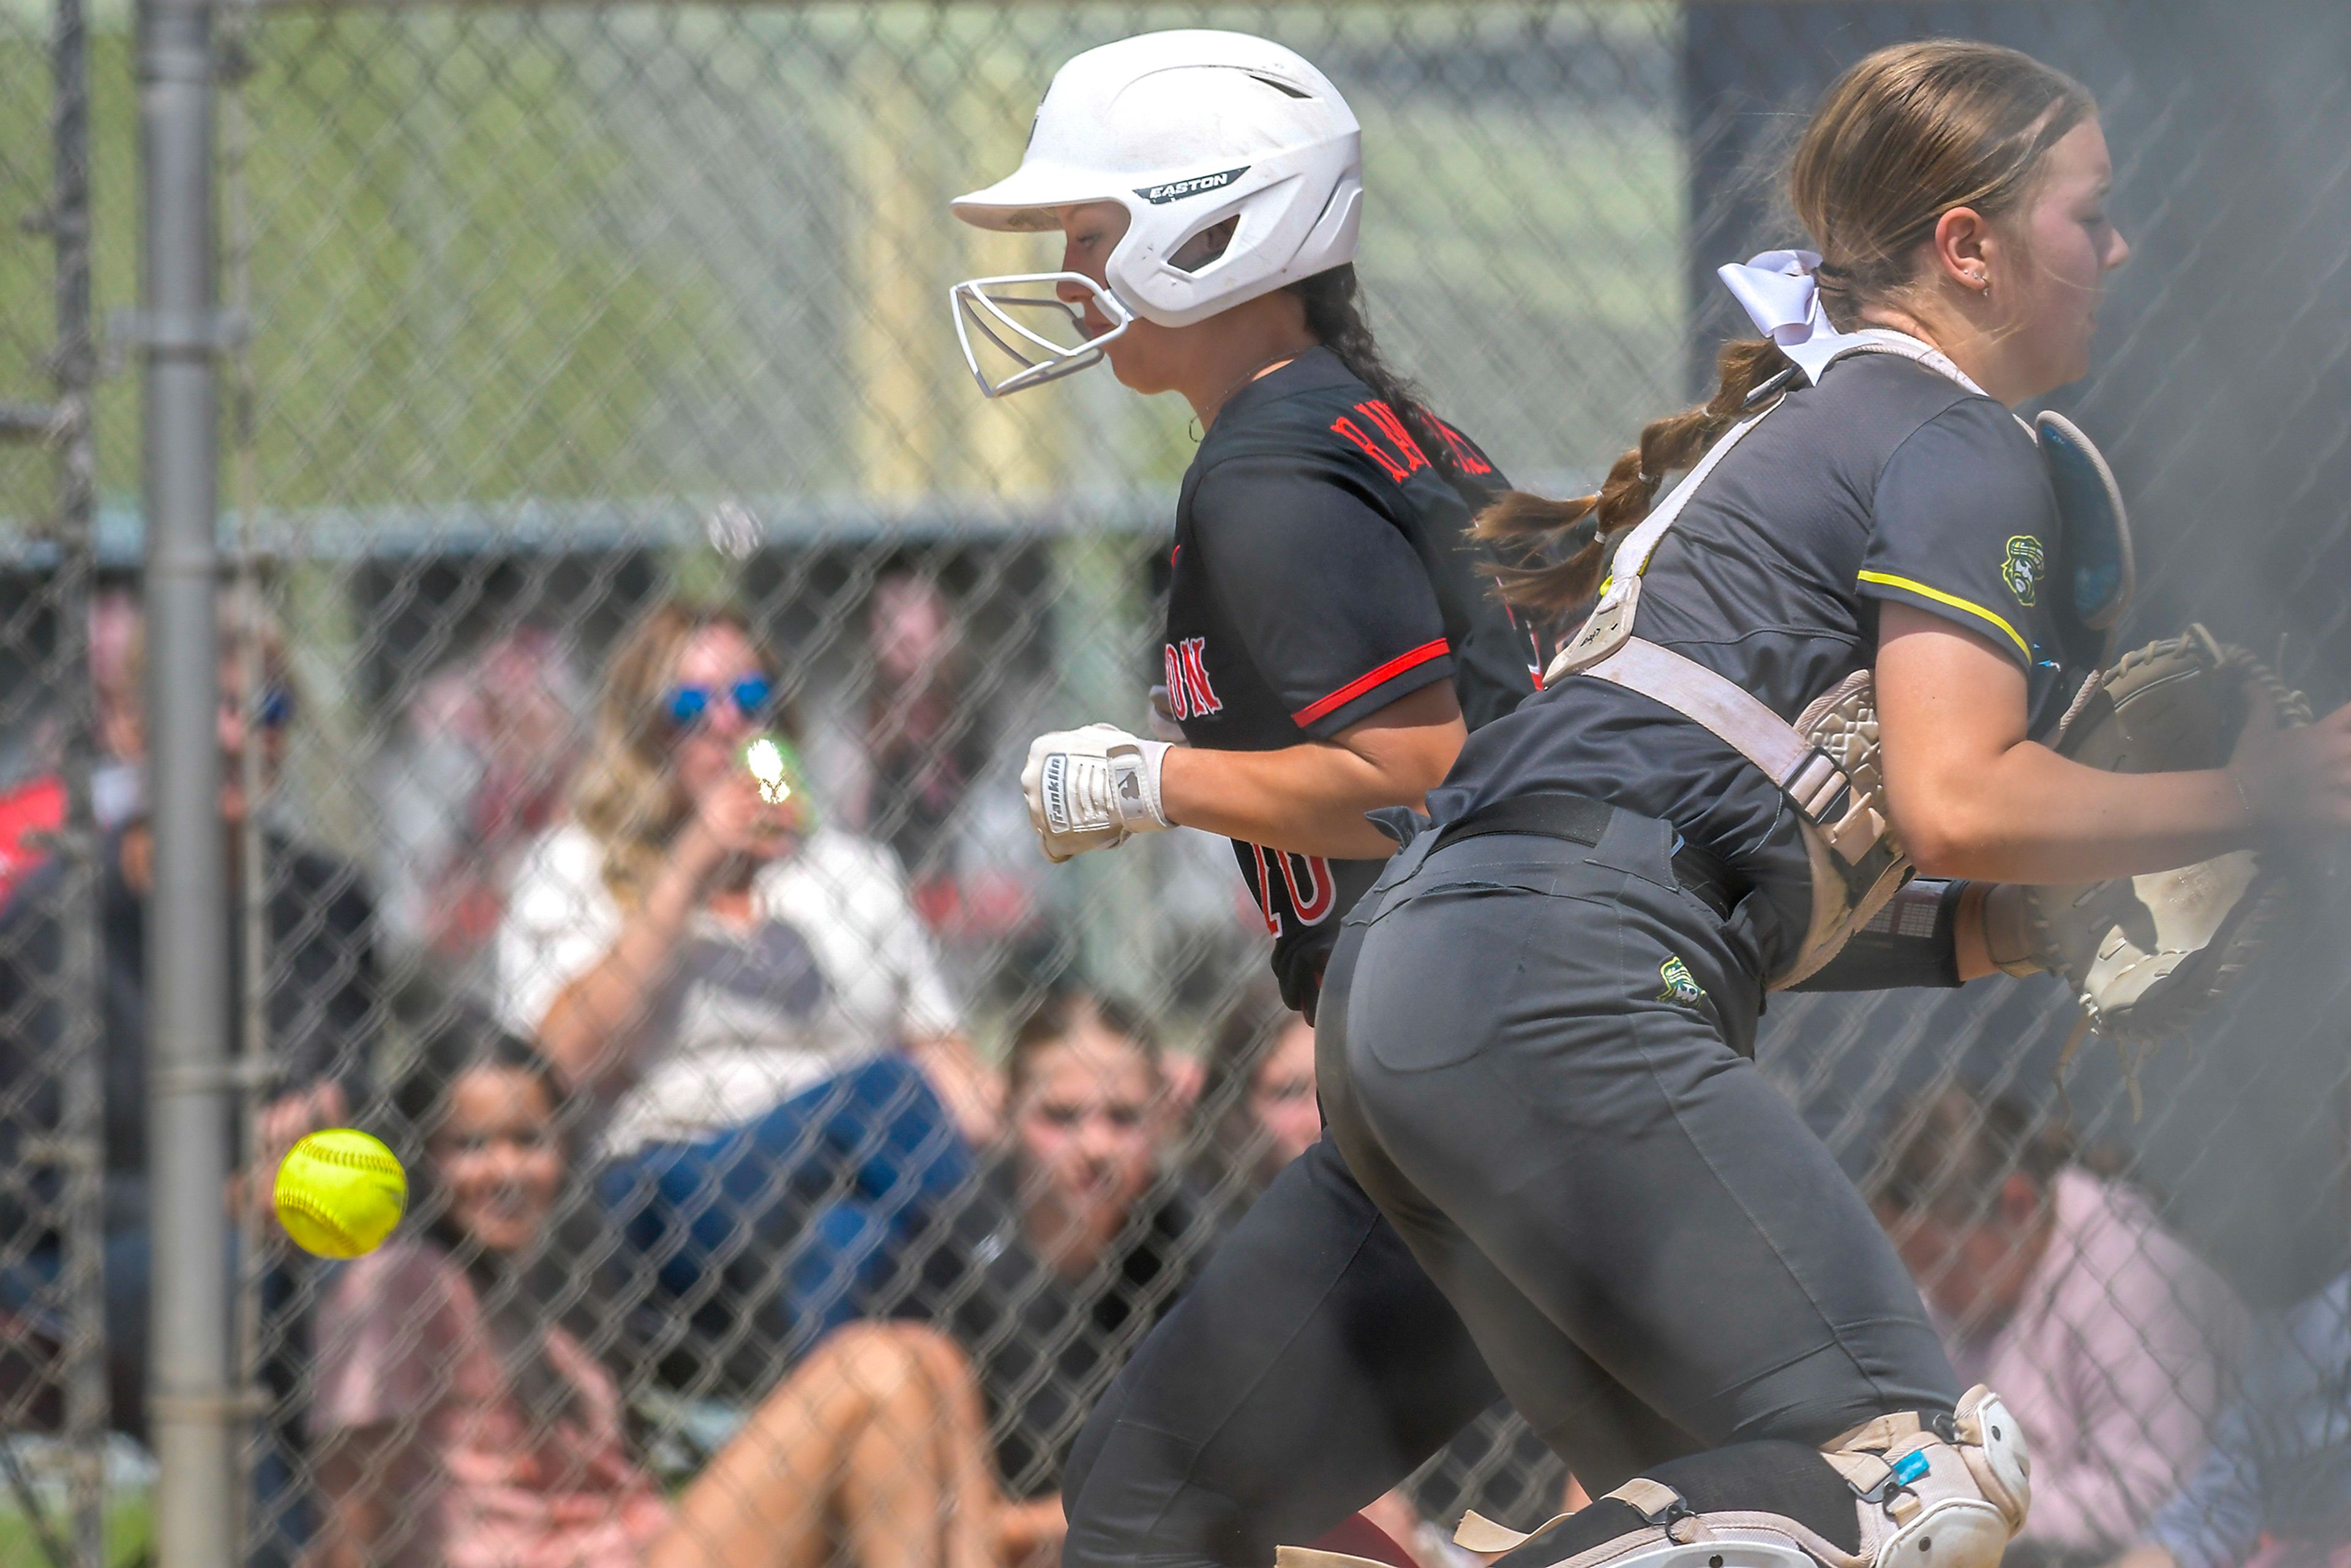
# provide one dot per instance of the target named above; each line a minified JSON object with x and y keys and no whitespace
{"x":1536,"y":1060}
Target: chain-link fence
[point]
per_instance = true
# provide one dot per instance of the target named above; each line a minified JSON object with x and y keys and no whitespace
{"x":585,"y":374}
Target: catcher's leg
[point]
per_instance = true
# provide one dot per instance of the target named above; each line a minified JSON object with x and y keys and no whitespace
{"x":1902,"y":1491}
{"x":1310,"y":1368}
{"x":1530,"y":1060}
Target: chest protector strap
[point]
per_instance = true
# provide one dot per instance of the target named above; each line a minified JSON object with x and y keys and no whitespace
{"x":1826,"y":763}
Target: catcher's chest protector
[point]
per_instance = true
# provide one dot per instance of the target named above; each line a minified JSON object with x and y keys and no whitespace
{"x":1826,"y":763}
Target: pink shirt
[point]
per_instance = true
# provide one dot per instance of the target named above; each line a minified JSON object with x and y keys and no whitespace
{"x":402,"y":1343}
{"x":2121,"y":1351}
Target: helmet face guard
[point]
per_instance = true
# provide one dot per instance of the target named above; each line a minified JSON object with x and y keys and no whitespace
{"x":1024,"y":318}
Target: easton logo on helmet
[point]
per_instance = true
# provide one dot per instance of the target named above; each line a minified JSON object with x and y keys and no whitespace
{"x":1160,"y":195}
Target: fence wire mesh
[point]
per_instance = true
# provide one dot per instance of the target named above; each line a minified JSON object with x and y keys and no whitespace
{"x":862,"y":1168}
{"x":62,"y":1476}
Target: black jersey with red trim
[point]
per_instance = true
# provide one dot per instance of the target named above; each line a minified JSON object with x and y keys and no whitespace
{"x":1322,"y":569}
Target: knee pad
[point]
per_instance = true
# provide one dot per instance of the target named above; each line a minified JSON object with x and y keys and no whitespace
{"x":1938,"y":1492}
{"x":1933,"y":1492}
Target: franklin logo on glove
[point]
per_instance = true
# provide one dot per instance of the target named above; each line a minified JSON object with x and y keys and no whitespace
{"x":1092,"y":789}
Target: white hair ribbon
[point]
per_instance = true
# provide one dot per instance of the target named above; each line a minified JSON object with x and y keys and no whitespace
{"x":1780,"y":296}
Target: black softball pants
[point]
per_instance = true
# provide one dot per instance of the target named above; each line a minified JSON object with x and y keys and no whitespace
{"x":1537,"y":1059}
{"x":1312,"y":1366}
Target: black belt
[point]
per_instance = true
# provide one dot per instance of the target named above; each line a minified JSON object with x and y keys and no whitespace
{"x":1582,"y":821}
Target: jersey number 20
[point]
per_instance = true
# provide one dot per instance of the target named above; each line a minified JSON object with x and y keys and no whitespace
{"x":1312,"y":891}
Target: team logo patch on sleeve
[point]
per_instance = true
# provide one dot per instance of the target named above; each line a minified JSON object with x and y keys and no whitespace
{"x":2022,"y":569}
{"x":1681,"y":986}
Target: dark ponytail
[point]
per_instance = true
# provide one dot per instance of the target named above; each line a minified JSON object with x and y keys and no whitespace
{"x":1334,"y":314}
{"x":1574,"y":533}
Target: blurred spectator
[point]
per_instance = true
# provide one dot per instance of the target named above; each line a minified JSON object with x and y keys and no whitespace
{"x":745,"y":984}
{"x":921,"y":764}
{"x":34,"y":803}
{"x":459,"y":1422}
{"x":321,"y":1011}
{"x":924,"y":743}
{"x":1256,"y":1110}
{"x":2111,"y":1342}
{"x":940,"y":1444}
{"x":2274,"y":1490}
{"x":478,"y":775}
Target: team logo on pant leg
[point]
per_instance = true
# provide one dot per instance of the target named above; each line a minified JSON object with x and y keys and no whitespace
{"x":1681,"y":986}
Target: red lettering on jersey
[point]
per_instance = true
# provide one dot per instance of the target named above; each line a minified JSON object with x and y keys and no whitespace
{"x":1392,"y":427}
{"x":1265,"y":893}
{"x":1463,"y":453}
{"x":1347,"y":427}
{"x":1177,"y":706}
{"x":1202,"y":695}
{"x":1313,"y":902}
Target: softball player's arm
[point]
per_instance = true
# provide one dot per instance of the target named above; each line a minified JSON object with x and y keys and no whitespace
{"x":1310,"y":798}
{"x":1964,"y":534}
{"x":1973,"y":797}
{"x":1336,"y":611}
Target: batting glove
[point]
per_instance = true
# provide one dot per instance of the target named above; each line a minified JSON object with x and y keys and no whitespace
{"x":1092,"y":789}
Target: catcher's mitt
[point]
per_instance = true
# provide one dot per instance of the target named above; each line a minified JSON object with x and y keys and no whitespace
{"x":2145,"y":954}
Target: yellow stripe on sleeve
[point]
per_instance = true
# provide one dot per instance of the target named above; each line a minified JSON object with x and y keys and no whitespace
{"x":1954,"y":600}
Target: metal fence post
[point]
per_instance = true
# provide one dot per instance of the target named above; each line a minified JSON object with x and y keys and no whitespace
{"x":191,"y":1407}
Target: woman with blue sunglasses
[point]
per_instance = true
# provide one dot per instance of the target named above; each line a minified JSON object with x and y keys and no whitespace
{"x":743,"y":985}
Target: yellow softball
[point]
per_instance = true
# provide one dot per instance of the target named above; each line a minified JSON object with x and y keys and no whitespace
{"x":341,"y":1192}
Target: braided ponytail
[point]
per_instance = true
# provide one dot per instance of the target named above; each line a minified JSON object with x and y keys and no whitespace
{"x":1574,"y":533}
{"x":1334,"y":314}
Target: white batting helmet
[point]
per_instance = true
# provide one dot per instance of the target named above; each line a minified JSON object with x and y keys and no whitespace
{"x":1184,"y":130}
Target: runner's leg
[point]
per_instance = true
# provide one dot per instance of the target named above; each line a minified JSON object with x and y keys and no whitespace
{"x":1310,"y":1368}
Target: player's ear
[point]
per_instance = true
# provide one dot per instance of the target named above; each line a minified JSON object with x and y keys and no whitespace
{"x":1965,"y":248}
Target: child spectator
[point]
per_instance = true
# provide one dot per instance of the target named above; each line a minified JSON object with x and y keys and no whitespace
{"x":2274,"y":1490}
{"x":458,"y":1423}
{"x":1256,"y":1110}
{"x":2111,"y":1342}
{"x":745,"y":984}
{"x":940,"y":1443}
